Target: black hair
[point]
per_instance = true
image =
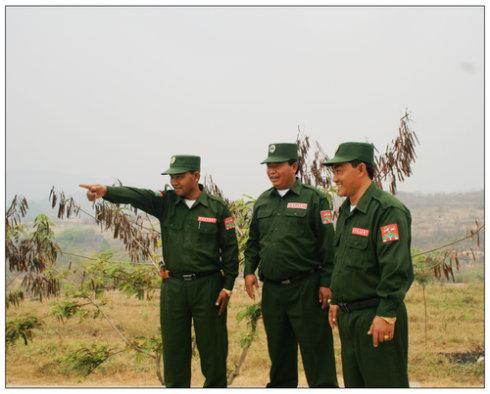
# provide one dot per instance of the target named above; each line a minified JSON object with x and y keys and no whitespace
{"x":369,"y":167}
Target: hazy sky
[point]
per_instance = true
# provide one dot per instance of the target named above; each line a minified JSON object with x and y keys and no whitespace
{"x":105,"y":93}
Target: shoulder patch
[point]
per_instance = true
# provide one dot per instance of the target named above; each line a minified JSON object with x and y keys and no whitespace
{"x":229,"y":223}
{"x":318,"y":191}
{"x":159,"y":193}
{"x":217,"y":199}
{"x":388,"y":200}
{"x":327,"y":216}
{"x":390,"y":233}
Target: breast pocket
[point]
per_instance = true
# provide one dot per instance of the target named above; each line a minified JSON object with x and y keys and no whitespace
{"x":207,"y":237}
{"x":296,"y":222}
{"x":264,"y":220}
{"x":357,"y":255}
{"x":173,"y":229}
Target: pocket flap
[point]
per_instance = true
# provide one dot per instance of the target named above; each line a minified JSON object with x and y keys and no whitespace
{"x":299,"y":213}
{"x":207,"y":228}
{"x":263,"y":213}
{"x":358,"y":242}
{"x":175,"y":226}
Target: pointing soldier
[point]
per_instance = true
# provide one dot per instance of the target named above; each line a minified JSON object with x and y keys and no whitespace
{"x":201,"y":255}
{"x":372,"y":273}
{"x":290,"y":241}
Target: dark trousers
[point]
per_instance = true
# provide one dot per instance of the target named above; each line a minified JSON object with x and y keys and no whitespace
{"x":364,"y":365}
{"x":292,"y":315}
{"x":180,"y":303}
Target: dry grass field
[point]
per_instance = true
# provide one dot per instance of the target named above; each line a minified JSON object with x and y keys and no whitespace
{"x":455,"y":333}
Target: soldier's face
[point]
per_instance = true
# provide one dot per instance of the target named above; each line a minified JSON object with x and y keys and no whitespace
{"x":346,"y":178}
{"x":184,"y":183}
{"x":282,"y":175}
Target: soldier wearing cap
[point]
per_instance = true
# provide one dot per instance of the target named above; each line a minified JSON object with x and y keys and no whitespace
{"x":290,"y":242}
{"x":372,"y":273}
{"x":200,"y":251}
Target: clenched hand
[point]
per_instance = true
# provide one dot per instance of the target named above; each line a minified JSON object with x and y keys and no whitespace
{"x":94,"y":191}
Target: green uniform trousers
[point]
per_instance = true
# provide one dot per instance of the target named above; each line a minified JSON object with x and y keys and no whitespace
{"x":180,"y":302}
{"x":366,"y":366}
{"x":292,"y":315}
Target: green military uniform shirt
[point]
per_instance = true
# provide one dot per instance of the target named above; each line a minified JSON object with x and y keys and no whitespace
{"x":291,"y":235}
{"x":372,"y":251}
{"x":198,"y":239}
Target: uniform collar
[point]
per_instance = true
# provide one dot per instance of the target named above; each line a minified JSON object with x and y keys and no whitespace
{"x":202,"y":199}
{"x":296,"y":188}
{"x":364,"y":201}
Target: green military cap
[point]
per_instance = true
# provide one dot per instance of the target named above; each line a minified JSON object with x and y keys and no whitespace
{"x":183,"y":163}
{"x":279,"y":153}
{"x":349,"y":151}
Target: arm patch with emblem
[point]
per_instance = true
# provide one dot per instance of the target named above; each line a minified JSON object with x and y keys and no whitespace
{"x":159,"y":193}
{"x":229,"y":223}
{"x":327,"y":216}
{"x":390,"y":233}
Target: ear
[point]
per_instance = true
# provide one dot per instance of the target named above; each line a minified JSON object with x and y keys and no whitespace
{"x":362,"y":168}
{"x":197,"y":175}
{"x":295,"y":166}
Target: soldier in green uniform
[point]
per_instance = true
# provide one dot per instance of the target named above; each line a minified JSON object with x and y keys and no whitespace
{"x":372,"y":273}
{"x":290,"y":242}
{"x":200,"y":251}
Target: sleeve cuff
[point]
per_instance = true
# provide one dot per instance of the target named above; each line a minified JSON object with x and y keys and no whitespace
{"x":248,"y":270}
{"x":229,"y":283}
{"x":386,"y":309}
{"x":109,"y":193}
{"x":325,"y":281}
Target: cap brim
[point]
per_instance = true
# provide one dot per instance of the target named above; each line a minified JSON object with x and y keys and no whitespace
{"x":276,"y":160}
{"x":177,"y":170}
{"x":337,"y":160}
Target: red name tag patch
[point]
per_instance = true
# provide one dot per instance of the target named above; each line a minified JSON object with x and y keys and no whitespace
{"x":327,"y":216}
{"x":229,"y":223}
{"x":207,"y":220}
{"x":298,"y":205}
{"x":363,"y":232}
{"x":390,"y":233}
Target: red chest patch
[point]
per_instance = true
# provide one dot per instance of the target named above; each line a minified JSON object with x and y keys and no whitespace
{"x":390,"y":233}
{"x":327,"y":216}
{"x":207,"y":220}
{"x":297,"y":205}
{"x":363,"y":232}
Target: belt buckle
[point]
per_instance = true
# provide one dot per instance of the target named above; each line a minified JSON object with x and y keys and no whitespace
{"x":188,"y":277}
{"x":286,"y":282}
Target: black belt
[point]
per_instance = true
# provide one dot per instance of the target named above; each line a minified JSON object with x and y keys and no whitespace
{"x":362,"y":304}
{"x":188,"y":277}
{"x":290,"y":280}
